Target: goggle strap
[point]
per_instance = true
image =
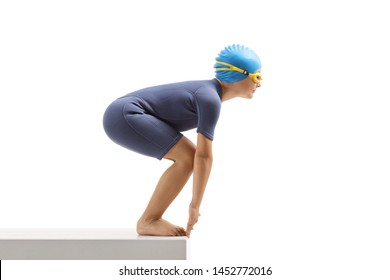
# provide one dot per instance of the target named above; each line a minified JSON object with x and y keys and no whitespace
{"x":232,"y":68}
{"x":256,"y":77}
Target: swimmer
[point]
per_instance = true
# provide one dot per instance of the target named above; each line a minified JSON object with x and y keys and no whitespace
{"x":149,"y":121}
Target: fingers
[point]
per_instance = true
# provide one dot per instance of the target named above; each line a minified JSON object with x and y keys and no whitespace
{"x":192,"y":220}
{"x":189,"y":229}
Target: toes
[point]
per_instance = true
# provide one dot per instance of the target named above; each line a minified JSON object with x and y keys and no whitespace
{"x":180,"y":231}
{"x":175,"y":232}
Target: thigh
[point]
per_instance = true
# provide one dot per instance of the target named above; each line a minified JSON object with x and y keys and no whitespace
{"x":184,"y":149}
{"x":153,"y":136}
{"x":140,"y":132}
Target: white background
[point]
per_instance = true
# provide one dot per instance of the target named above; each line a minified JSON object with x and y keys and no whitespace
{"x":301,"y":171}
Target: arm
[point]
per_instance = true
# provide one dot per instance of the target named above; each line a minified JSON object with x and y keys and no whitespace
{"x":202,"y":167}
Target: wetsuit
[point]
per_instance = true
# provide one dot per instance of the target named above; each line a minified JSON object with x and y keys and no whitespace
{"x":150,"y":121}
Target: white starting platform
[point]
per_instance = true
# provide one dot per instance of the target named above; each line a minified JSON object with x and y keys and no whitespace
{"x":89,"y":244}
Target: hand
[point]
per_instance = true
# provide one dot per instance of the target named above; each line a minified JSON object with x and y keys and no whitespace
{"x":192,"y":220}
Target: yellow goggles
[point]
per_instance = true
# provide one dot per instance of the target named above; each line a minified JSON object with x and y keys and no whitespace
{"x":256,"y":76}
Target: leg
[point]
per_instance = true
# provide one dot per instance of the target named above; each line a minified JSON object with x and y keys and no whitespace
{"x":168,"y":187}
{"x":129,"y":126}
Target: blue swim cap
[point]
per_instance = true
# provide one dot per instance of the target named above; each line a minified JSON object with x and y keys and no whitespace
{"x":239,"y":56}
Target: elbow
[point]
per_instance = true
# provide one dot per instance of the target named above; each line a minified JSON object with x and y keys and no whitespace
{"x":204,"y":156}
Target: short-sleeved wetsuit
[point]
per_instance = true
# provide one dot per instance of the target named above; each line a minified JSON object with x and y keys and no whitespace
{"x":149,"y":121}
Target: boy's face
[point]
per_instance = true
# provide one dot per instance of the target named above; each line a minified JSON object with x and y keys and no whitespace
{"x":249,"y":87}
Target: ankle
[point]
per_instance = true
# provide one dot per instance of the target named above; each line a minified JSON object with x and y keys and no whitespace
{"x":147,"y":220}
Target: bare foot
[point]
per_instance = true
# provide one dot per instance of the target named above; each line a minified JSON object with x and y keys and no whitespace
{"x":159,"y":227}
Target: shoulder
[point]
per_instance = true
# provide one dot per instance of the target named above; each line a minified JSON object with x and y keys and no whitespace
{"x":208,"y":91}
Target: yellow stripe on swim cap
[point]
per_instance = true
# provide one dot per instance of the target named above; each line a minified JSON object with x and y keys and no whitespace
{"x":231,"y":68}
{"x":256,"y":76}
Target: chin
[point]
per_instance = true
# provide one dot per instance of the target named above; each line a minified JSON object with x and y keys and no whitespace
{"x":250,"y":95}
{"x":247,"y":95}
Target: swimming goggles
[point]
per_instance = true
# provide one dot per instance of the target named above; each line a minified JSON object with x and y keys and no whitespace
{"x":256,"y":76}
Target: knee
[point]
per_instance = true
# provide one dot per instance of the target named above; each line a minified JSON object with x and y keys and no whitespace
{"x":183,"y":154}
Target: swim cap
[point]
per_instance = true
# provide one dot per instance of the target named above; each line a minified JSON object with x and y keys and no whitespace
{"x":239,"y":56}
